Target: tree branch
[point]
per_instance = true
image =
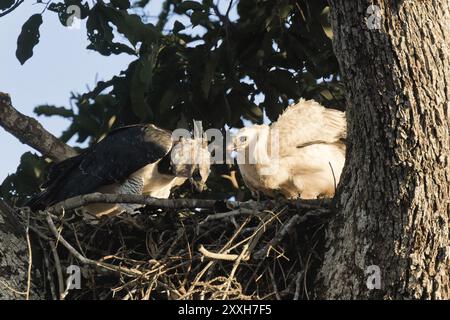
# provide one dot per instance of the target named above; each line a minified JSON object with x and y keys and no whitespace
{"x":83,"y":200}
{"x":31,"y":132}
{"x":80,"y":201}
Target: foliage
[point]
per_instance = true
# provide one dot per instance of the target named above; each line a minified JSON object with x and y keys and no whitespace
{"x":28,"y":38}
{"x":26,"y":180}
{"x":277,"y":51}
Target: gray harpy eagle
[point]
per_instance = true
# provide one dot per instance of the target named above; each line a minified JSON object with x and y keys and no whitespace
{"x":137,"y":159}
{"x":301,"y":155}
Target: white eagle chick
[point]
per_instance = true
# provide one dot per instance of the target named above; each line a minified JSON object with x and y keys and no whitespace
{"x":301,"y":155}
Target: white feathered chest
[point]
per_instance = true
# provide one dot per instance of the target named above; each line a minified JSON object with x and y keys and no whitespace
{"x":299,"y":156}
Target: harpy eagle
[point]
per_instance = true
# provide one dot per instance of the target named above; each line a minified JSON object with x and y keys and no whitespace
{"x":137,"y":159}
{"x":301,"y":155}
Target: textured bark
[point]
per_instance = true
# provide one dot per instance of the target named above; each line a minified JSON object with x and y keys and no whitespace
{"x":14,"y":259}
{"x":31,"y":132}
{"x":393,"y":201}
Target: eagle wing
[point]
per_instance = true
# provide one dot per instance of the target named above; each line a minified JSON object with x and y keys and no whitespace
{"x":306,"y":123}
{"x":126,"y":150}
{"x":122,"y":152}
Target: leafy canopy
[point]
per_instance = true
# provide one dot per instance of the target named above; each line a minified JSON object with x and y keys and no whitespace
{"x":250,"y":57}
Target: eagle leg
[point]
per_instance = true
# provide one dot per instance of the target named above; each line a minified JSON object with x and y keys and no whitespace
{"x":134,"y":185}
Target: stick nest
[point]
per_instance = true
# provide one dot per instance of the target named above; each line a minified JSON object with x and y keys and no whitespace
{"x":258,"y":250}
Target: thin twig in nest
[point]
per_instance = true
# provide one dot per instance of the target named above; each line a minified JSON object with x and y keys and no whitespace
{"x":83,"y":259}
{"x":58,"y":269}
{"x":242,"y":255}
{"x":221,"y":256}
{"x":83,"y":200}
{"x":287,"y":228}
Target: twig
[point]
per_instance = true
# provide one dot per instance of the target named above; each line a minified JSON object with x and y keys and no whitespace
{"x":47,"y":264}
{"x":30,"y":256}
{"x":334,"y":177}
{"x":24,"y":293}
{"x":199,"y":275}
{"x":58,"y":270}
{"x":274,"y":285}
{"x":229,"y":214}
{"x":31,"y":132}
{"x":287,"y":228}
{"x":221,"y":256}
{"x":85,"y":260}
{"x":298,"y":285}
{"x":242,"y":256}
{"x":232,"y":178}
{"x":83,"y":200}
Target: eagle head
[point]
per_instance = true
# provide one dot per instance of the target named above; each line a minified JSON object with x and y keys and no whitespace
{"x":190,"y":158}
{"x":246,"y":137}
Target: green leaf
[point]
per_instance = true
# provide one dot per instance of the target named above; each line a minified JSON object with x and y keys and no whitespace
{"x":327,"y":94}
{"x":168,"y":99}
{"x":285,"y":10}
{"x":178,"y":26}
{"x":121,"y":4}
{"x":198,"y":17}
{"x":46,"y":110}
{"x":28,"y":38}
{"x":6,"y":4}
{"x":208,"y":75}
{"x":284,"y":82}
{"x":26,"y":180}
{"x":189,"y":5}
{"x":271,"y":104}
{"x":131,"y":26}
{"x":324,"y":19}
{"x":141,"y":83}
{"x":240,"y":105}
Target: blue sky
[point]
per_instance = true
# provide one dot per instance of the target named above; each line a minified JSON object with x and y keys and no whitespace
{"x":60,"y":64}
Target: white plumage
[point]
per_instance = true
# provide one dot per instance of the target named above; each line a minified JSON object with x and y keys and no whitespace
{"x":301,"y":155}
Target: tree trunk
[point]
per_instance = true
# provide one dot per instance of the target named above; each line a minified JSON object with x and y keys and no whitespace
{"x":14,"y":260}
{"x":393,"y":201}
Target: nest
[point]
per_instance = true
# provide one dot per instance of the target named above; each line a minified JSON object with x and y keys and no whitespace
{"x":253,"y":250}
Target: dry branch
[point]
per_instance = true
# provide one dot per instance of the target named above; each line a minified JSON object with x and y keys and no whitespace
{"x":83,"y":200}
{"x":221,"y":256}
{"x":82,"y":258}
{"x":287,"y":228}
{"x":31,"y":132}
{"x":245,"y":207}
